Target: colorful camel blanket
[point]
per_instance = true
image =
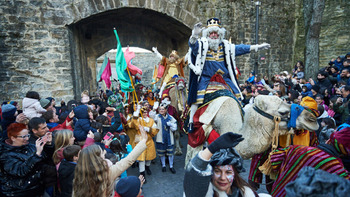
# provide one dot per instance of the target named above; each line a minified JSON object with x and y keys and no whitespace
{"x":290,"y":160}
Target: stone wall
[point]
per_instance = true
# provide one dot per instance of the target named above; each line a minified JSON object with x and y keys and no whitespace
{"x":335,"y":34}
{"x":52,"y":46}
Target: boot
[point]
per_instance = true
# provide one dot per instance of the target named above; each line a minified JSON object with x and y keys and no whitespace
{"x":144,"y":175}
{"x":172,"y":170}
{"x":148,"y":170}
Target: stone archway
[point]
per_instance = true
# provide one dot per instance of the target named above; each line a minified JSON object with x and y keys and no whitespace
{"x":93,"y":36}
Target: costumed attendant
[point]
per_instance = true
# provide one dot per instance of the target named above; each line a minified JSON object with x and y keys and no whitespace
{"x":167,"y":125}
{"x":151,"y":99}
{"x":168,"y":68}
{"x":215,"y":171}
{"x":209,"y":55}
{"x":151,"y":128}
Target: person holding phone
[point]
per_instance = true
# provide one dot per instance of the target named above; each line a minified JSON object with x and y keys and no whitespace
{"x":150,"y":127}
{"x":21,"y":171}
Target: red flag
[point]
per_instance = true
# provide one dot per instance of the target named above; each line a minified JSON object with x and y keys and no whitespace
{"x":129,"y":55}
{"x":106,"y":75}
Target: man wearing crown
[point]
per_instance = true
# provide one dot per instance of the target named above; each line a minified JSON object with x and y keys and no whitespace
{"x":172,"y":66}
{"x":209,"y":55}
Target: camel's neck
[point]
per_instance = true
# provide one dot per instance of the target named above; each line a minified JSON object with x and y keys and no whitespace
{"x":257,"y":134}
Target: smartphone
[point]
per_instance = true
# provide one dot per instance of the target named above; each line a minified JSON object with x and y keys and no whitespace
{"x":73,"y":106}
{"x":108,"y":136}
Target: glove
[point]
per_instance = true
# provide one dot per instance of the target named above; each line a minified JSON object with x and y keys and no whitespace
{"x":259,"y":47}
{"x":227,"y":140}
{"x":264,"y":46}
{"x":137,"y":112}
{"x":197,"y":29}
{"x":156,"y":105}
{"x":146,"y":129}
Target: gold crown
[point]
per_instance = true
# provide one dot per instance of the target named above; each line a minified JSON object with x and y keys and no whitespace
{"x":174,"y":53}
{"x":213,"y":22}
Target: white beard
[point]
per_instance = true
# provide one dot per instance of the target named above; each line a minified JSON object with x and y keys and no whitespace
{"x":214,"y":44}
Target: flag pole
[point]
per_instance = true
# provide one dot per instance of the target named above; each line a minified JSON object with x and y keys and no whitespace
{"x":132,"y":85}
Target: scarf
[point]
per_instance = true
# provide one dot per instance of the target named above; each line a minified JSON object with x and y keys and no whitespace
{"x":165,"y":129}
{"x":294,"y":114}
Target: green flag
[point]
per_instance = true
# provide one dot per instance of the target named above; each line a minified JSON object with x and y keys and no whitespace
{"x":121,"y":66}
{"x":104,"y":64}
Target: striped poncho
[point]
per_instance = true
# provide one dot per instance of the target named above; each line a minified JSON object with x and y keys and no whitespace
{"x":290,"y":160}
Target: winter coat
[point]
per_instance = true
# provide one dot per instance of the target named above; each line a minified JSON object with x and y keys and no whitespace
{"x":308,"y":92}
{"x":343,"y":109}
{"x":82,"y":126}
{"x":55,"y":126}
{"x":32,"y":108}
{"x":20,"y":170}
{"x":324,"y":84}
{"x":66,"y":176}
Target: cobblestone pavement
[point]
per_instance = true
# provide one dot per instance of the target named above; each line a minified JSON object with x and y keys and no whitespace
{"x":161,"y":184}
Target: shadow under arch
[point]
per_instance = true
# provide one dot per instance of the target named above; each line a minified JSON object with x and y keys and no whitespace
{"x":93,"y":36}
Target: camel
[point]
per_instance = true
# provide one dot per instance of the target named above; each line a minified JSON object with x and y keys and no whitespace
{"x":256,"y":129}
{"x":178,"y":97}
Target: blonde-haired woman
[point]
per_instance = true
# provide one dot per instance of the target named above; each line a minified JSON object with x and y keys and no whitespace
{"x":94,"y":178}
{"x":63,"y":138}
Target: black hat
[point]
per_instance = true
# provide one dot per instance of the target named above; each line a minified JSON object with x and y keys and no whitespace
{"x":228,"y":157}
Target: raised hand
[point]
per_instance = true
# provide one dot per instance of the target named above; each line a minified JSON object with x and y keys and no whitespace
{"x":197,"y":29}
{"x":226,"y":140}
{"x":39,"y":144}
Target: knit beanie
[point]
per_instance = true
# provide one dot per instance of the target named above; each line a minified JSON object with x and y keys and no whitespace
{"x":8,"y":108}
{"x":44,"y":102}
{"x":341,"y":141}
{"x":311,"y":105}
{"x":128,"y":186}
{"x":8,"y":111}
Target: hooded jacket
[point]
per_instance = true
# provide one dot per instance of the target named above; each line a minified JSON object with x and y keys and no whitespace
{"x":308,"y":91}
{"x":20,"y":170}
{"x":32,"y":108}
{"x":82,"y":126}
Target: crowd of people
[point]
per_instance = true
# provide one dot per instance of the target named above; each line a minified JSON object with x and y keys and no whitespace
{"x":84,"y":147}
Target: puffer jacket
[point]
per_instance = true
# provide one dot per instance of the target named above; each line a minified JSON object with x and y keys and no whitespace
{"x":82,"y":126}
{"x":32,"y":108}
{"x":20,"y":171}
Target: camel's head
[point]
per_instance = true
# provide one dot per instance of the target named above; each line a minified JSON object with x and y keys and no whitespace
{"x":274,"y":106}
{"x":307,"y":120}
{"x":180,"y":82}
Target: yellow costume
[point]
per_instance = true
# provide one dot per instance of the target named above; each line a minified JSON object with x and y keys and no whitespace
{"x":150,"y":152}
{"x":131,"y":132}
{"x":171,"y":69}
